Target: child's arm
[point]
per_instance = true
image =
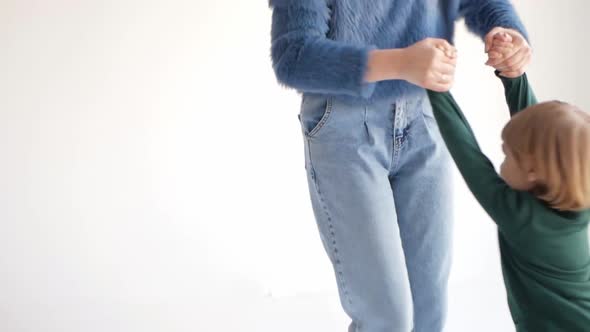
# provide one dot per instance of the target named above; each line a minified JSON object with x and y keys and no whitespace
{"x":510,"y":209}
{"x":518,"y":92}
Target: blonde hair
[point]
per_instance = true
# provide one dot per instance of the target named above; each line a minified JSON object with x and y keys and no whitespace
{"x":552,"y":139}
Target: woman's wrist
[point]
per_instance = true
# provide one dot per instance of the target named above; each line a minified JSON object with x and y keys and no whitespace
{"x":384,"y":65}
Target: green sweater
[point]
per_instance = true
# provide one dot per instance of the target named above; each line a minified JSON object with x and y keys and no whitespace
{"x":545,"y":253}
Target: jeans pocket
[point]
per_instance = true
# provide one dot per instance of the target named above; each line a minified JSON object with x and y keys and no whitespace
{"x":315,"y":113}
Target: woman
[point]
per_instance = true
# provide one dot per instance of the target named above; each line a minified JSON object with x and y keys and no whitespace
{"x":378,"y":171}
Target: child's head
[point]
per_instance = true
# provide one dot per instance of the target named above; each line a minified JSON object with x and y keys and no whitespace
{"x":547,"y":149}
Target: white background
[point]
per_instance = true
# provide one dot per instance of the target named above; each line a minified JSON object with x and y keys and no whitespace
{"x":151,"y":169}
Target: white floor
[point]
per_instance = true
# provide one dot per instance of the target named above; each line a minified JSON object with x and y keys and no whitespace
{"x":472,"y":308}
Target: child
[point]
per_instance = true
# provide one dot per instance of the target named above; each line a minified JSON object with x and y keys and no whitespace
{"x":540,"y":202}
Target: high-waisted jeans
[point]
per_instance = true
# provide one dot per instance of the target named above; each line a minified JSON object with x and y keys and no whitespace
{"x":380,"y":184}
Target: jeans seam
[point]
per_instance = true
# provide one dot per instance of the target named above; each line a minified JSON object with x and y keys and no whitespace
{"x":332,"y":239}
{"x":391,"y":161}
{"x":396,"y":138}
{"x":402,"y":125}
{"x":366,"y":125}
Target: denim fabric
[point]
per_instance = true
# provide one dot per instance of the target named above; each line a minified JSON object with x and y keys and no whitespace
{"x":380,"y":183}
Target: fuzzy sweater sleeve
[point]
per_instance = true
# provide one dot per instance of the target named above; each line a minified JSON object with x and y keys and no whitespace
{"x":481,"y":16}
{"x":305,"y":59}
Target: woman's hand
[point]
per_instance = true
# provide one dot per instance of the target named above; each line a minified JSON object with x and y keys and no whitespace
{"x":508,"y":52}
{"x":429,"y":63}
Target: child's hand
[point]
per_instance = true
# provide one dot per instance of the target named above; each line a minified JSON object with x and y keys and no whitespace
{"x":508,"y":52}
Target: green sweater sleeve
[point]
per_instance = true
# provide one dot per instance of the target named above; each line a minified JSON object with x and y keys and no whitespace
{"x":518,"y":92}
{"x":509,"y":208}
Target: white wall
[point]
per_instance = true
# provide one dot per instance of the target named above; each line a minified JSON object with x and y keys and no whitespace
{"x":151,"y":170}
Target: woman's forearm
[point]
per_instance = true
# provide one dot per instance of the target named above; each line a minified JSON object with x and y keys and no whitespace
{"x":384,"y":65}
{"x":429,"y":63}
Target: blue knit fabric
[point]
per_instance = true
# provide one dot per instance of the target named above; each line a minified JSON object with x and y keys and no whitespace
{"x":321,"y":46}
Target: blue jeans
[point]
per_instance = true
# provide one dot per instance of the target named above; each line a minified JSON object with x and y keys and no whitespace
{"x":379,"y":179}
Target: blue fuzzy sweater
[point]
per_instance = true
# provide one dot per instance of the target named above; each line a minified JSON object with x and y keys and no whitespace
{"x":321,"y":46}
